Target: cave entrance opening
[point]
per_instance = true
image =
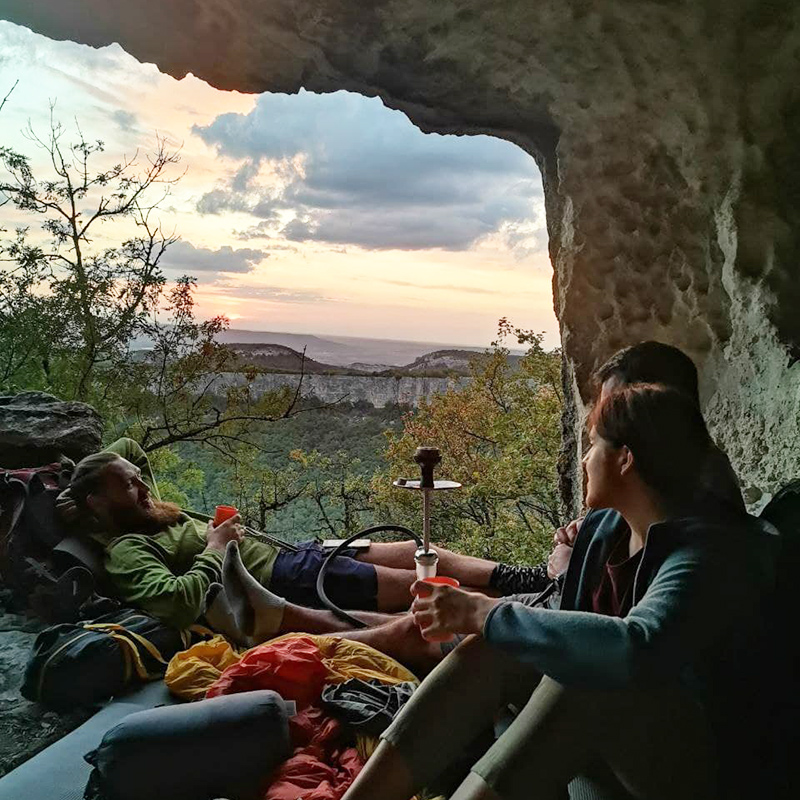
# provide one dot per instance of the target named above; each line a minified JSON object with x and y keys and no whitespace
{"x":324,"y":222}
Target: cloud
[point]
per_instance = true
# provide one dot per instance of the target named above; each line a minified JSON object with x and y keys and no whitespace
{"x":126,"y":120}
{"x":446,"y":287}
{"x":219,"y":200}
{"x":278,"y":293}
{"x":343,"y":169}
{"x":185,"y":257}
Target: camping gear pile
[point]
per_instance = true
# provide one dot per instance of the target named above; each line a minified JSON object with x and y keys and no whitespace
{"x":294,"y":717}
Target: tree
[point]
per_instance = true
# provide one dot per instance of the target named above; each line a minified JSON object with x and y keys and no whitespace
{"x":69,"y":308}
{"x":499,"y":437}
{"x":340,"y":492}
{"x":92,"y":300}
{"x":189,"y":388}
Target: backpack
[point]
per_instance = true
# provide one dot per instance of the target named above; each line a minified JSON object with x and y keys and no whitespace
{"x":87,"y":662}
{"x":30,"y":528}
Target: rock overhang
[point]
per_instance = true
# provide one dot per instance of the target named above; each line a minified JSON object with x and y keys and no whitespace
{"x":665,"y":132}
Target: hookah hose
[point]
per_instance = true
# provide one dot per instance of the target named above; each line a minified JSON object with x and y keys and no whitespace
{"x":326,"y":601}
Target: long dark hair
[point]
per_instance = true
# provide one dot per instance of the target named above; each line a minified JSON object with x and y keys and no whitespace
{"x":651,"y":362}
{"x":667,"y":435}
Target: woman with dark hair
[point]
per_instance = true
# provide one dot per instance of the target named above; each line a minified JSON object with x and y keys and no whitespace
{"x":636,"y":669}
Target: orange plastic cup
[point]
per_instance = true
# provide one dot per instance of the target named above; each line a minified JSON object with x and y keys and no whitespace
{"x":441,"y":580}
{"x":221,"y":513}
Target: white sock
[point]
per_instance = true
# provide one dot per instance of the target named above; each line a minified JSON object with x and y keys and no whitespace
{"x":220,"y":617}
{"x":258,"y":612}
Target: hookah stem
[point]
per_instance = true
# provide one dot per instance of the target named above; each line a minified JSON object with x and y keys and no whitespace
{"x":426,"y":519}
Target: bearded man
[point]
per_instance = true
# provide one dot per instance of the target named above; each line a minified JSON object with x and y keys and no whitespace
{"x":167,"y":562}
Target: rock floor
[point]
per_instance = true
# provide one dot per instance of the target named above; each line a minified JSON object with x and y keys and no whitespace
{"x":25,"y":727}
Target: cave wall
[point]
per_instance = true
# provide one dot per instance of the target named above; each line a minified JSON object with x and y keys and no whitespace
{"x":666,"y":133}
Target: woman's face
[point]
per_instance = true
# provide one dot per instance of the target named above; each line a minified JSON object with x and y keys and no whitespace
{"x":602,"y":464}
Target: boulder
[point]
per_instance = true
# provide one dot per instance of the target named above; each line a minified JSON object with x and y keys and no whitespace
{"x":37,"y":428}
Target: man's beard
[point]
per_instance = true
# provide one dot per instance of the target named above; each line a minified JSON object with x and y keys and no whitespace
{"x":163,"y":514}
{"x":156,"y":518}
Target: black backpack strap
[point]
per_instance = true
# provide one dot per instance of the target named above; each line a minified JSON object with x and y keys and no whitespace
{"x":13,"y":496}
{"x":80,"y":551}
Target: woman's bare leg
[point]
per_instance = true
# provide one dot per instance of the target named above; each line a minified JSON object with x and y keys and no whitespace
{"x":453,"y":707}
{"x":474,"y":788}
{"x":401,"y":640}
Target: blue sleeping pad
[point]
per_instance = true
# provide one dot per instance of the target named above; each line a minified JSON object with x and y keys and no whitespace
{"x":59,"y":772}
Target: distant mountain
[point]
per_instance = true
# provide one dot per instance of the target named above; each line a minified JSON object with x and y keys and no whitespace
{"x":352,"y":352}
{"x":344,"y":351}
{"x":453,"y":362}
{"x":278,"y":358}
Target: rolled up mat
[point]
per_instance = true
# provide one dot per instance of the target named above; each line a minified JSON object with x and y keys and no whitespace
{"x":223,"y":747}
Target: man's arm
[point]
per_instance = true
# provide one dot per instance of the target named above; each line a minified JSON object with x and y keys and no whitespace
{"x":142,"y":578}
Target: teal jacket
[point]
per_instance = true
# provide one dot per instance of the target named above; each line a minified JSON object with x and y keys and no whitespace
{"x":699,"y":594}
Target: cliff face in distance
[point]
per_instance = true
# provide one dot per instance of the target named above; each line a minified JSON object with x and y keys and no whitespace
{"x":377,"y":384}
{"x":666,"y":134}
{"x":377,"y":390}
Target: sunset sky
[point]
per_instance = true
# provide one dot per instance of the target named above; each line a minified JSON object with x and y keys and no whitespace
{"x":306,"y":213}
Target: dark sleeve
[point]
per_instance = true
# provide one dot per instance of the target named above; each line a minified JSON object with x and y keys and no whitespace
{"x":721,"y":483}
{"x":693,"y":604}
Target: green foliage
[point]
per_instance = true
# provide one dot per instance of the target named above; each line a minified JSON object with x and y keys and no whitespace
{"x":177,"y":479}
{"x":328,"y":472}
{"x":499,"y":437}
{"x":307,"y":478}
{"x":70,"y":308}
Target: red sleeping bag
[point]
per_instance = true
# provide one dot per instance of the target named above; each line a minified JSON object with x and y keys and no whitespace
{"x":292,"y":667}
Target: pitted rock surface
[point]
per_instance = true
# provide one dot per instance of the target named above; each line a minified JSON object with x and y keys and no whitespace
{"x":666,"y":133}
{"x":37,"y":428}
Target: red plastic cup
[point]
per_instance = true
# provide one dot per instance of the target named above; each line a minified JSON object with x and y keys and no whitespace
{"x":441,"y":580}
{"x":221,"y":513}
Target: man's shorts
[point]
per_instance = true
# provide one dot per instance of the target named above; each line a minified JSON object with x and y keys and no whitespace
{"x":348,"y":583}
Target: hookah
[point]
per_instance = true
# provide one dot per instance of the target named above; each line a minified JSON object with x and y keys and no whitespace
{"x":426,"y":559}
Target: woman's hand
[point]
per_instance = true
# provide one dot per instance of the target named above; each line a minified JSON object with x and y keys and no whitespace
{"x":440,"y":610}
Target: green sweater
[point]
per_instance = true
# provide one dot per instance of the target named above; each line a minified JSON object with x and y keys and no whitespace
{"x":168,"y":574}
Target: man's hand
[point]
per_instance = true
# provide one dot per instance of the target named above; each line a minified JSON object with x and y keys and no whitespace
{"x":229,"y":531}
{"x":558,"y":560}
{"x":563,"y":539}
{"x":66,"y":507}
{"x":440,"y":610}
{"x":568,"y":533}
